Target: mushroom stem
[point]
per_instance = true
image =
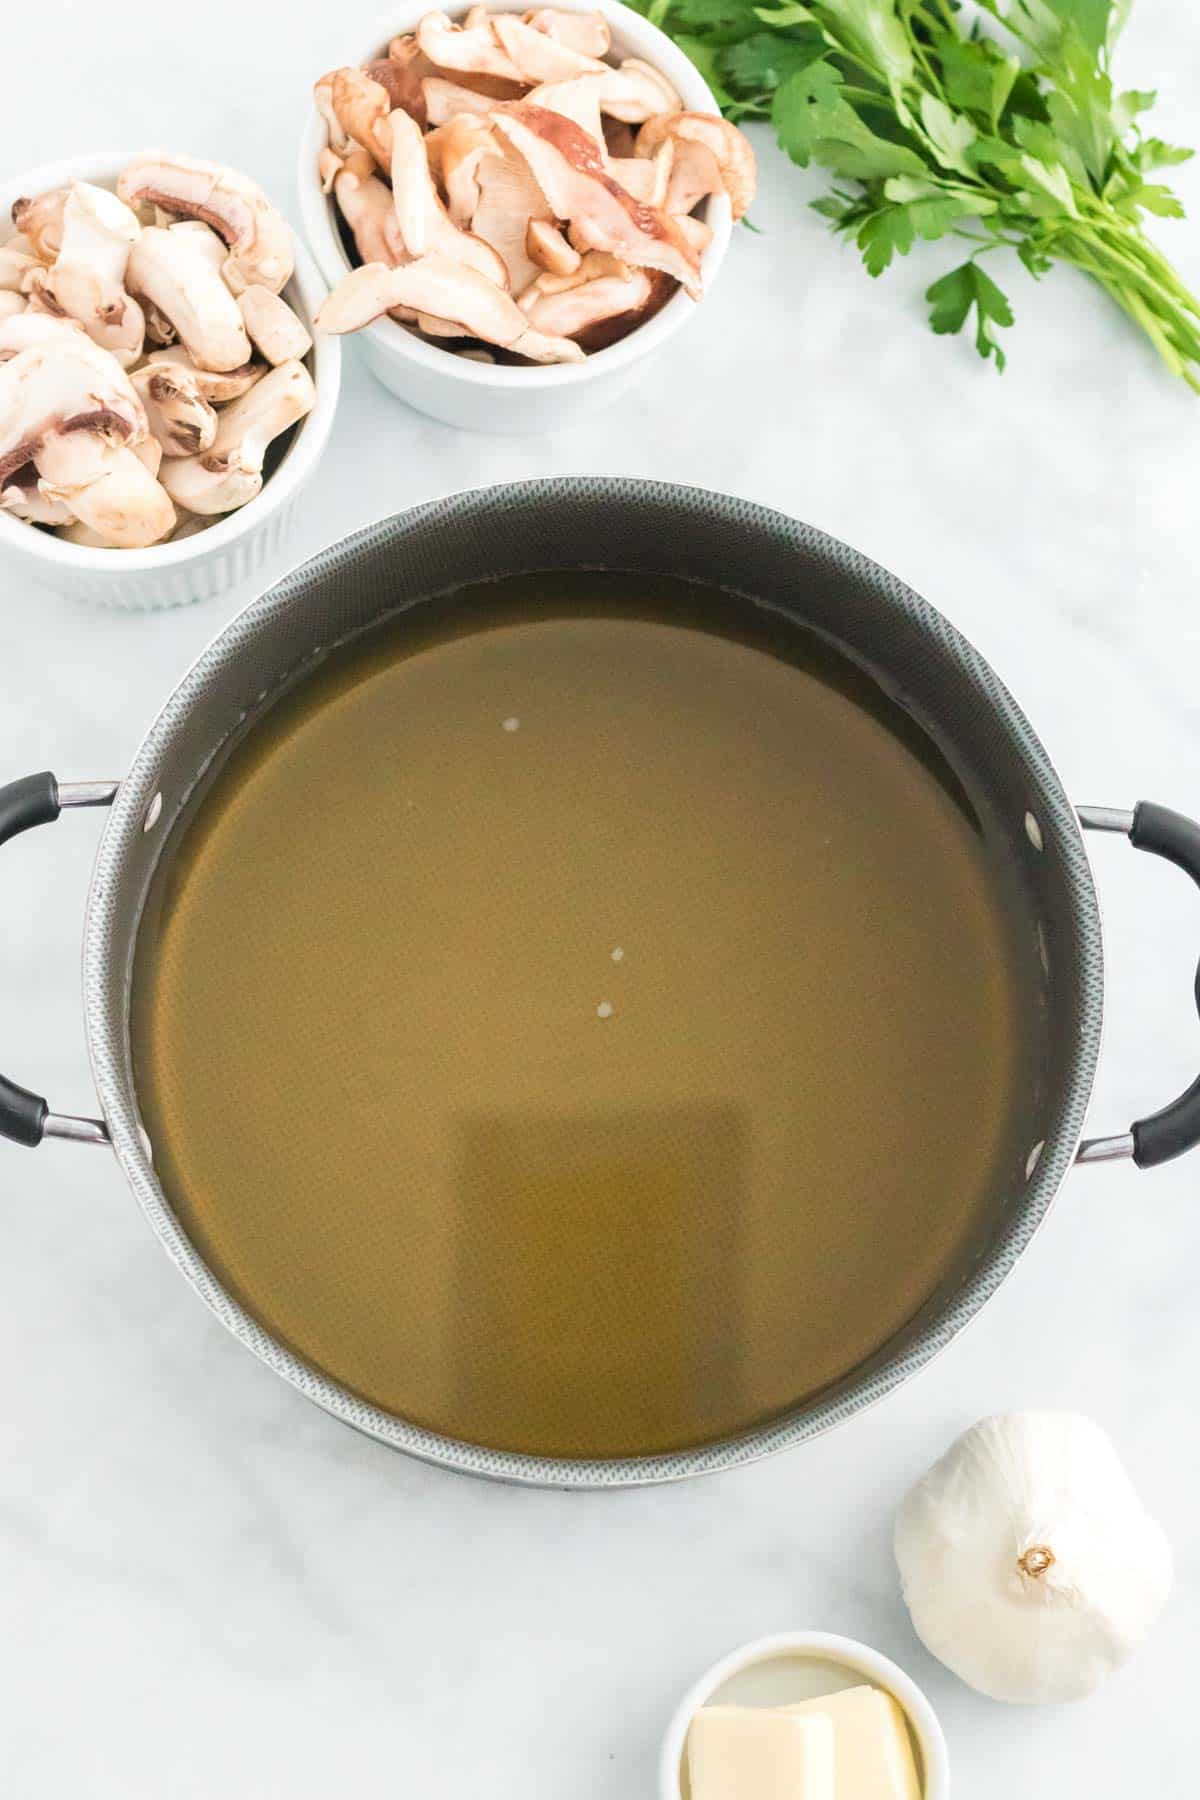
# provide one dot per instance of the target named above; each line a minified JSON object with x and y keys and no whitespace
{"x":230,"y":472}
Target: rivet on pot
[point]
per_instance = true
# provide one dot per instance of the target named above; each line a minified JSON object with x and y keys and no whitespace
{"x":153,"y":813}
{"x":1033,"y":831}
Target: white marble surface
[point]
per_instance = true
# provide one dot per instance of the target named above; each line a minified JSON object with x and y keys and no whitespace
{"x":209,"y":1587}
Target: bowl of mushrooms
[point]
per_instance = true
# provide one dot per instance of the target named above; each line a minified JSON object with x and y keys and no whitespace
{"x":513,"y":209}
{"x":162,"y":398}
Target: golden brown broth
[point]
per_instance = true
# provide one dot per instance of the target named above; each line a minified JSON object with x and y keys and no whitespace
{"x":386,"y":1094}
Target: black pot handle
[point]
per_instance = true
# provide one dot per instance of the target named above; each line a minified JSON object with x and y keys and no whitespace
{"x":25,"y":1118}
{"x":1176,"y":1128}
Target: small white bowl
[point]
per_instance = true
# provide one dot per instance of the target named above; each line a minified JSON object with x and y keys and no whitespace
{"x":804,"y":1665}
{"x":234,"y":546}
{"x":492,"y":397}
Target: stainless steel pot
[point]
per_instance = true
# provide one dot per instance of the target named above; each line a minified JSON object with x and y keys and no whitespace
{"x":917,"y":654}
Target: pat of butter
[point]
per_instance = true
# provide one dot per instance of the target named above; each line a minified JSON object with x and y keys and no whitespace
{"x":873,"y":1757}
{"x":757,"y":1753}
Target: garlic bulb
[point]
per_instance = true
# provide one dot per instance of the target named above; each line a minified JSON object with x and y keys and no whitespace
{"x":1028,"y":1563}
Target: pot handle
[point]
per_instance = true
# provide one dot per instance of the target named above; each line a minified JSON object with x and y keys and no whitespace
{"x":1176,"y":1128}
{"x":25,"y":1118}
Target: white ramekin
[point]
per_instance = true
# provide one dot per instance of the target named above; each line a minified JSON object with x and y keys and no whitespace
{"x":758,"y":1675}
{"x":234,"y":546}
{"x":489,"y":397}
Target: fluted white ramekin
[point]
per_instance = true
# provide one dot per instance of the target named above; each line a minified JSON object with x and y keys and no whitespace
{"x":235,"y":546}
{"x":493,"y":397}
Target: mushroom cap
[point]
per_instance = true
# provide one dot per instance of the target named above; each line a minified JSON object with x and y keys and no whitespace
{"x":730,"y":150}
{"x":258,"y":235}
{"x":63,"y":385}
{"x":272,"y":326}
{"x":107,"y":487}
{"x":172,"y":268}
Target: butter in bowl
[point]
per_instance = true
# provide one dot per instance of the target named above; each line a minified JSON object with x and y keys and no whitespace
{"x":804,"y":1716}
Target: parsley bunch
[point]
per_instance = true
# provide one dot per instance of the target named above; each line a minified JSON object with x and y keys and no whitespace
{"x":998,"y":124}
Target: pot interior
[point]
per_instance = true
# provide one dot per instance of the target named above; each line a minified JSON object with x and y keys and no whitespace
{"x":592,"y":1014}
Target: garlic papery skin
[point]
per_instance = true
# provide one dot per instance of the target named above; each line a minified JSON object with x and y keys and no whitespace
{"x":1029,"y":1564}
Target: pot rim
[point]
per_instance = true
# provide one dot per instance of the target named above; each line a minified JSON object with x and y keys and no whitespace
{"x":1060,"y":832}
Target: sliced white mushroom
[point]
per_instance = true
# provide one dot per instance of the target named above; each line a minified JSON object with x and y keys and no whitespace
{"x":536,"y":56}
{"x":173,"y":270}
{"x":365,"y":202}
{"x":39,"y":221}
{"x":711,"y":157}
{"x":21,"y":331}
{"x":272,"y":326}
{"x":585,"y":32}
{"x":11,"y":304}
{"x":400,"y":78}
{"x":362,"y":107}
{"x":471,"y":50}
{"x":214,"y":386}
{"x":698,"y":232}
{"x":647,"y":178}
{"x":106,"y":487}
{"x":329,"y":166}
{"x":87,"y":279}
{"x":448,"y":290}
{"x":510,"y":201}
{"x":639,"y":92}
{"x":454,"y":152}
{"x":15,"y":264}
{"x":60,"y":382}
{"x":230,"y":473}
{"x":28,"y":503}
{"x":548,"y":249}
{"x":258,"y":236}
{"x":597,"y":265}
{"x":180,"y":417}
{"x":577,"y":311}
{"x":425,"y":225}
{"x":578,"y":99}
{"x":567,"y":166}
{"x":150,"y":454}
{"x":76,"y":532}
{"x":448,"y":99}
{"x":338,"y":137}
{"x":159,"y":330}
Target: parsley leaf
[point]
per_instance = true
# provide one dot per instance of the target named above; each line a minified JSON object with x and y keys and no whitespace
{"x":951,"y":301}
{"x":1008,"y":132}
